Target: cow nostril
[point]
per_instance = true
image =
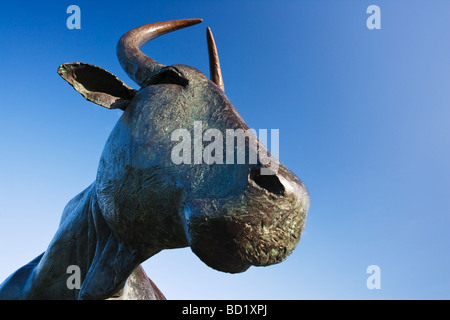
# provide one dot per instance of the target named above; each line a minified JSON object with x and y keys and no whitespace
{"x":269,"y":182}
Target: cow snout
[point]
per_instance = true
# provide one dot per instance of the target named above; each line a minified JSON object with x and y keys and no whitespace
{"x":259,"y":227}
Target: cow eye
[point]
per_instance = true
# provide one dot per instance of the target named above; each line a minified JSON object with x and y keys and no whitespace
{"x":168,"y":75}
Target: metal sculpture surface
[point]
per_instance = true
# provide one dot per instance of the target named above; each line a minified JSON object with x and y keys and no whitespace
{"x":141,"y":202}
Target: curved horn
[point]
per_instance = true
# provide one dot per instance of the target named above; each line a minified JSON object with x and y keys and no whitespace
{"x":136,"y":64}
{"x":214,"y":64}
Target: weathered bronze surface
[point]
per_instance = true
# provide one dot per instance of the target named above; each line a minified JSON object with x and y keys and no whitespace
{"x":138,"y":287}
{"x":140,"y":203}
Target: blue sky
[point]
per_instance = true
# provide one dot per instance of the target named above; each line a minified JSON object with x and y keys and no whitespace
{"x":364,"y":120}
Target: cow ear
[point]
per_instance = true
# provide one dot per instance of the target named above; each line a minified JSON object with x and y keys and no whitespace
{"x":97,"y":85}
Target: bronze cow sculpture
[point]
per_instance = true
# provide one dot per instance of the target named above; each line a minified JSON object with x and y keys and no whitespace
{"x":140,"y":203}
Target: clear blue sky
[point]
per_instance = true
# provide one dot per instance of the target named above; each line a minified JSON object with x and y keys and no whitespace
{"x":364,"y":120}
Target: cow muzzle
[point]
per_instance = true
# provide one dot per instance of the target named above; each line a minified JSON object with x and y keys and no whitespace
{"x":260,"y":227}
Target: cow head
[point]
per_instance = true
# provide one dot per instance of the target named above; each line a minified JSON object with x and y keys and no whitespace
{"x":231,"y":215}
